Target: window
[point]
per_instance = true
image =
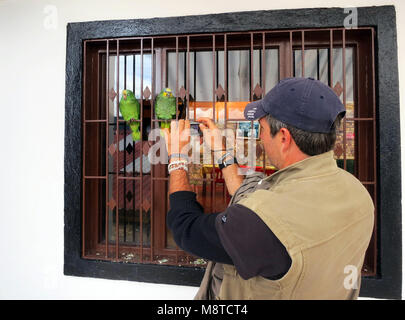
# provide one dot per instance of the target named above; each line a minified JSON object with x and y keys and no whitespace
{"x":124,"y":196}
{"x":211,"y":75}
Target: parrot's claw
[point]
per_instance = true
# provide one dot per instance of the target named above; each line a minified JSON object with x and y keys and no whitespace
{"x":131,"y":121}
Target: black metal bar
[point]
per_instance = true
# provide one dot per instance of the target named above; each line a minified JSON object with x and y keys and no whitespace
{"x":152,"y":171}
{"x":141,"y":160}
{"x":117,"y":158}
{"x":187,"y":106}
{"x":331,"y":58}
{"x":125,"y":154}
{"x":84,"y":153}
{"x":177,"y":78}
{"x":95,"y":120}
{"x":195,"y":83}
{"x":251,"y":67}
{"x":214,"y":76}
{"x":188,"y":79}
{"x":226,"y":94}
{"x":292,"y":58}
{"x":303,"y":53}
{"x":133,"y":158}
{"x":375,"y":198}
{"x":263,"y":79}
{"x":344,"y":95}
{"x":107,"y":105}
{"x":225,"y":77}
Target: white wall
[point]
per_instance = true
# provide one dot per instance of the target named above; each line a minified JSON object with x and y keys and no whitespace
{"x":32,"y":93}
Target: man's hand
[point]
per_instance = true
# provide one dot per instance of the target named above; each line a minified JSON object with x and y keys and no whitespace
{"x":178,"y":138}
{"x":213,"y":138}
{"x":212,"y":135}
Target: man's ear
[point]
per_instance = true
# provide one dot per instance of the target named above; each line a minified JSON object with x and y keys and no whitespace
{"x":286,"y":138}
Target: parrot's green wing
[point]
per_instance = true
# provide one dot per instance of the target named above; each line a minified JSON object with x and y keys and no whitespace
{"x":130,"y":110}
{"x":129,"y":106}
{"x":165,"y":107}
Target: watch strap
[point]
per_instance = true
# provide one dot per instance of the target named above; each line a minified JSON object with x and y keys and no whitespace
{"x":225,"y":164}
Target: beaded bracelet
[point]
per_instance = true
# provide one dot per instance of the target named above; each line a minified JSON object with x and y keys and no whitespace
{"x":175,"y":165}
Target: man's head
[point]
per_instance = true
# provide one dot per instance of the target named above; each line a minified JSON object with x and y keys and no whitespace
{"x":298,"y":118}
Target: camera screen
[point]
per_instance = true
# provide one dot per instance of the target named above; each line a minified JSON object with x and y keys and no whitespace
{"x":195,"y":128}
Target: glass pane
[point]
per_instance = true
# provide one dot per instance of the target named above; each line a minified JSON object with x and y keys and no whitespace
{"x":311,"y":63}
{"x":128,"y":80}
{"x":238,"y":75}
{"x":323,"y":66}
{"x":112,"y":88}
{"x":171,"y":70}
{"x":204,"y":76}
{"x":272,"y":68}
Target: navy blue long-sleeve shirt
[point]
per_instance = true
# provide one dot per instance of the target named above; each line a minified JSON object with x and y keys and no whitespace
{"x":236,"y":236}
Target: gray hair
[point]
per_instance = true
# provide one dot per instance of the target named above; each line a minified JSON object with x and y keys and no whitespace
{"x":310,"y":143}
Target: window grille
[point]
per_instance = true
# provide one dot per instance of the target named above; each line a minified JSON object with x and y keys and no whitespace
{"x":125,"y":197}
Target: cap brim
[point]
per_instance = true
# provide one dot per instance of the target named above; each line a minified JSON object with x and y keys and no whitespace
{"x":254,"y":110}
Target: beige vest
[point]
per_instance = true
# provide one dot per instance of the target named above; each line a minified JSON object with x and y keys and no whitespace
{"x":323,"y":216}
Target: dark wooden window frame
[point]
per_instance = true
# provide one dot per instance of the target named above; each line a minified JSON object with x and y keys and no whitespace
{"x":388,"y":281}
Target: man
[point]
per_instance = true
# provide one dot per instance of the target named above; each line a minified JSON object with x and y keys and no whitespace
{"x":292,"y":235}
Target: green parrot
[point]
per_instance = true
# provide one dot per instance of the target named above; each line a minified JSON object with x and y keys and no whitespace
{"x":130,"y":110}
{"x":165,"y":107}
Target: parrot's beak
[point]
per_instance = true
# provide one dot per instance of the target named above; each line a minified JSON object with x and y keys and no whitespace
{"x":125,"y":94}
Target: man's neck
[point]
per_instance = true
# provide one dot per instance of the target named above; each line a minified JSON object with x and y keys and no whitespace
{"x":293,"y":158}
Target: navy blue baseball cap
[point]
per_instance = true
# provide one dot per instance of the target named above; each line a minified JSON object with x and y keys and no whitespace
{"x":304,"y":103}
